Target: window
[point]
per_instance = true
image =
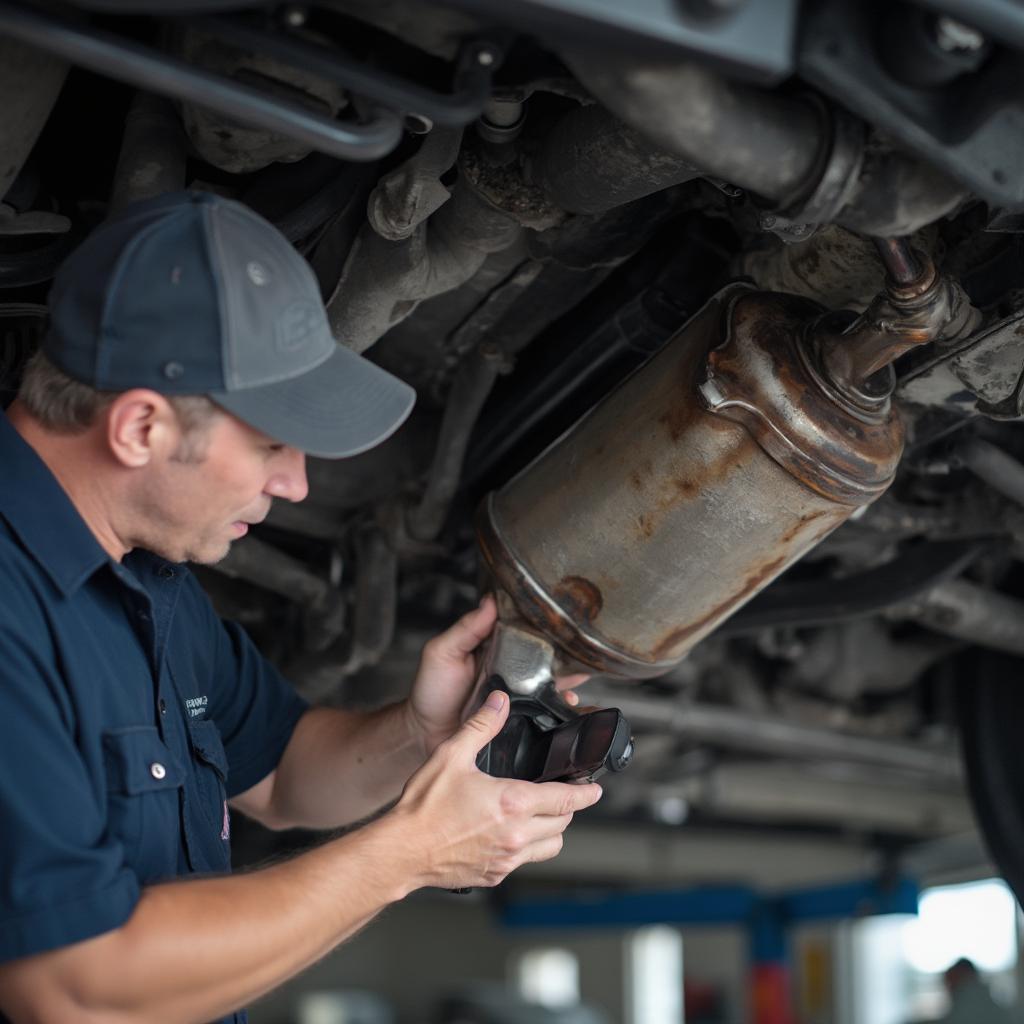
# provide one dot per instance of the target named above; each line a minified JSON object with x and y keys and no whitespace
{"x":977,"y":921}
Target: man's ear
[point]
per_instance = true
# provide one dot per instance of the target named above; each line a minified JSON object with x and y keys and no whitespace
{"x":140,"y":426}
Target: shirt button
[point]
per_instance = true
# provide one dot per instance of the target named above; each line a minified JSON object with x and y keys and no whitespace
{"x":143,"y":616}
{"x":162,"y":705}
{"x":157,"y":770}
{"x":165,"y":572}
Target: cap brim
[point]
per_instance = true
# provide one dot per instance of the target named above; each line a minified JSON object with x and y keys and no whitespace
{"x":342,"y":407}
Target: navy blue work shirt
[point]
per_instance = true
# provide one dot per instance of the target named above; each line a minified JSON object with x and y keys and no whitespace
{"x":129,"y":715}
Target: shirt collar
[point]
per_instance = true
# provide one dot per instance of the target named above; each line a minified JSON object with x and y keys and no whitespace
{"x":40,"y":512}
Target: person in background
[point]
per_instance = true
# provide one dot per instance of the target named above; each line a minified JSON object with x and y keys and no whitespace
{"x":969,"y":997}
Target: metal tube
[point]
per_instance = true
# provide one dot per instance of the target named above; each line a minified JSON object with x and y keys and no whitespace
{"x":705,"y":723}
{"x":970,"y":612}
{"x":777,"y":146}
{"x":152,"y":158}
{"x":919,"y":306}
{"x":902,"y":266}
{"x":463,"y":105}
{"x":384,"y":280}
{"x":988,"y":462}
{"x":472,"y":385}
{"x":887,"y":801}
{"x":266,"y":566}
{"x":373,"y":625}
{"x":30,"y":82}
{"x":592,"y":162}
{"x":111,"y":55}
{"x":320,"y":675}
{"x":762,"y":141}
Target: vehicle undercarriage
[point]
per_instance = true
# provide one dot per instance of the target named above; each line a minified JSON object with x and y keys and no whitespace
{"x":514,"y":208}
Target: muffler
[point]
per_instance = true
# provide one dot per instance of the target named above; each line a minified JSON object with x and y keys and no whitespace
{"x":764,"y":424}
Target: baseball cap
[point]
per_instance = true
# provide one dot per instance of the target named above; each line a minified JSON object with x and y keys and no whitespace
{"x":190,"y":293}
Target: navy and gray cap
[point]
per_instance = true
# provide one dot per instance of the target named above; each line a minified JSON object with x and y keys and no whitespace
{"x":190,"y":293}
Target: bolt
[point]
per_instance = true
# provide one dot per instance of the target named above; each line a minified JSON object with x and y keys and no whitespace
{"x":485,"y":58}
{"x":954,"y":36}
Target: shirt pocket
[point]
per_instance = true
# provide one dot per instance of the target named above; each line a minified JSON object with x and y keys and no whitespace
{"x":208,"y":829}
{"x":144,"y":782}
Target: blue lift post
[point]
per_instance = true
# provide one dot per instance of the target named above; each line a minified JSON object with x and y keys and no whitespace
{"x":767,"y":918}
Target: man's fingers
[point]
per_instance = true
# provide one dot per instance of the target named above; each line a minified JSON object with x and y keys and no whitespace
{"x":543,"y":849}
{"x":466,"y":635}
{"x":572,"y":681}
{"x":545,"y":825}
{"x":481,"y":727}
{"x":558,"y":798}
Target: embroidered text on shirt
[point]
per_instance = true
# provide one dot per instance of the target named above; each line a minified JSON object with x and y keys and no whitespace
{"x":196,"y":706}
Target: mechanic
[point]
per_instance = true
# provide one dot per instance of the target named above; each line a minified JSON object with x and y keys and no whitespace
{"x":187,"y":370}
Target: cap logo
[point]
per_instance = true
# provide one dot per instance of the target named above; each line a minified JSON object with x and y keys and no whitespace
{"x":257,"y":273}
{"x":298,"y":324}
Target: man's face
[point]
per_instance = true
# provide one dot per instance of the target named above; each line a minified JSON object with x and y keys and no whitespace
{"x":192,"y":509}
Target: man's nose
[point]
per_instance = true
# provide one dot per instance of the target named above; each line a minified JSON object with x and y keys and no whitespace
{"x":288,"y":479}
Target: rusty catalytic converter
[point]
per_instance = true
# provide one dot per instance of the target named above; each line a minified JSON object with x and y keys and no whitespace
{"x":764,"y":424}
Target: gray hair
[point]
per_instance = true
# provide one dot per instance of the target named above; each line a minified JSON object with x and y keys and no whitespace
{"x":67,"y":406}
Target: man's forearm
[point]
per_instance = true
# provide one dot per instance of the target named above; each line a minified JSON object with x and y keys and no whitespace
{"x":194,"y":951}
{"x":340,"y":767}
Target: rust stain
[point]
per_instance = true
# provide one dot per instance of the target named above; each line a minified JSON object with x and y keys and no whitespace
{"x":640,"y":474}
{"x":686,"y":489}
{"x":732,"y":460}
{"x":805,"y":520}
{"x":676,"y":419}
{"x":580,"y":598}
{"x":538,"y":614}
{"x":552,"y":622}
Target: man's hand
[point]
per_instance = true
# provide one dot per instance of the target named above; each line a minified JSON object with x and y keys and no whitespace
{"x":471,"y":829}
{"x":447,"y":672}
{"x":446,"y":675}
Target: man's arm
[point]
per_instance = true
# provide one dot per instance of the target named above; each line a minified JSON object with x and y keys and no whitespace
{"x":341,"y":766}
{"x":195,"y":950}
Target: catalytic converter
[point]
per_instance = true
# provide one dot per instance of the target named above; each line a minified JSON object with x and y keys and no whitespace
{"x":764,"y":424}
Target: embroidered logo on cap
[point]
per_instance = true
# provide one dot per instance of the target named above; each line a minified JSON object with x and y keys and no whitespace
{"x":297,"y":325}
{"x":257,"y":273}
